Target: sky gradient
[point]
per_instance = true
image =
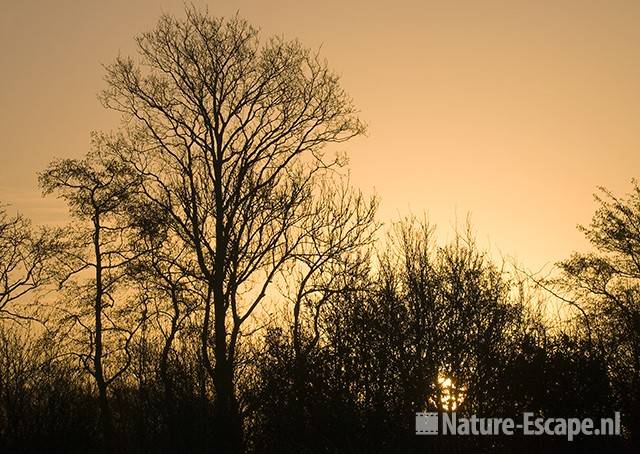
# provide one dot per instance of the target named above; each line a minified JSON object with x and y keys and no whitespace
{"x":512,"y":111}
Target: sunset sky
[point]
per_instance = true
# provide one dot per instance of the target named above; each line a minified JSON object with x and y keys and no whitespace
{"x":513,"y":111}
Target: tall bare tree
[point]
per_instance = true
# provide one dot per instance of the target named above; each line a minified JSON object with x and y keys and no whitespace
{"x":228,"y":133}
{"x":93,"y":265}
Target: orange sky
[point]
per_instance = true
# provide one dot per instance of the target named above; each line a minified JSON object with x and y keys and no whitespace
{"x":511,"y":110}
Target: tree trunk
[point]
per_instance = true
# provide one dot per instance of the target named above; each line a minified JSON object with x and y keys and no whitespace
{"x":226,"y":412}
{"x":167,"y":382}
{"x":106,"y":420}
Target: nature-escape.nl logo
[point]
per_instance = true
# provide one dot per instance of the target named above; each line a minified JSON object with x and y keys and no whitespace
{"x":429,"y":423}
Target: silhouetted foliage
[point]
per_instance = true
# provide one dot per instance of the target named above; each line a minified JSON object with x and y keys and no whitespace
{"x":606,"y":285}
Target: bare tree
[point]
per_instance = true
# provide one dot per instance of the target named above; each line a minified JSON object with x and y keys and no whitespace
{"x":228,"y":134}
{"x":605,"y":284}
{"x":332,"y":259}
{"x":163,"y":275}
{"x":92,"y":267}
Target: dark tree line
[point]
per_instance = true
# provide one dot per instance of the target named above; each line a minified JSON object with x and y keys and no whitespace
{"x":222,"y":288}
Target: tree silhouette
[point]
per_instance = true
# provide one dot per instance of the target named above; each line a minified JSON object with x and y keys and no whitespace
{"x":227,"y":134}
{"x":97,"y":190}
{"x":606,"y":284}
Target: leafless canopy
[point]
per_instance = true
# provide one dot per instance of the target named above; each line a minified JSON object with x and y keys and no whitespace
{"x":228,"y":134}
